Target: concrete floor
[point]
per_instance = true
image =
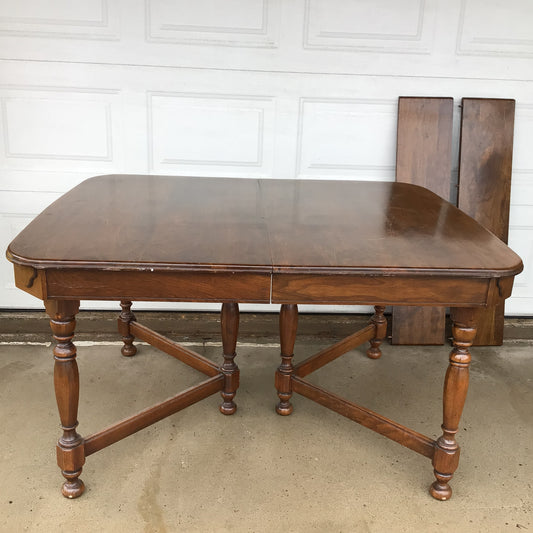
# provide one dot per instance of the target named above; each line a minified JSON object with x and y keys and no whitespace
{"x":199,"y":471}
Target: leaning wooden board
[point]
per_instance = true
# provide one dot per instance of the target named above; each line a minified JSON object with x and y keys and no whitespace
{"x":485,"y":165}
{"x":423,"y":157}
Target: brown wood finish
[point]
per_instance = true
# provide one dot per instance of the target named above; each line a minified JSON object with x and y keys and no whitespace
{"x":124,"y":319}
{"x":189,"y":357}
{"x":159,"y":285}
{"x":72,"y":448}
{"x":288,"y":324}
{"x":446,"y":458}
{"x":347,"y":289}
{"x":444,"y":452}
{"x":375,"y":229}
{"x":229,"y":322}
{"x":485,"y":166}
{"x":294,"y":226}
{"x":31,"y":280}
{"x":411,"y":317}
{"x":371,"y":420}
{"x":423,"y":157}
{"x":424,"y":143}
{"x":169,"y":229}
{"x":70,"y":453}
{"x":153,"y":414}
{"x":380,"y":330}
{"x":279,"y":241}
{"x":331,"y":353}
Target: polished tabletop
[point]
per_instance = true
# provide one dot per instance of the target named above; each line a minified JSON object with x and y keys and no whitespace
{"x":138,"y":222}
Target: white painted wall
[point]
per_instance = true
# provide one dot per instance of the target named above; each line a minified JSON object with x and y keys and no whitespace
{"x":248,"y":88}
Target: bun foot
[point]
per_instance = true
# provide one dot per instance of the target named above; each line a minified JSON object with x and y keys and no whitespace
{"x":373,"y":352}
{"x":440,"y":491}
{"x":73,"y":487}
{"x":128,"y":350}
{"x":228,"y":407}
{"x":284,"y":408}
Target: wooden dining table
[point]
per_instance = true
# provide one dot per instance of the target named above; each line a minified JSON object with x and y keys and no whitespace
{"x":192,"y":239}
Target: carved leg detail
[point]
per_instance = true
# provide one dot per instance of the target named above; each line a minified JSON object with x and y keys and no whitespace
{"x":124,"y":319}
{"x":446,"y":458}
{"x":230,"y":329}
{"x":379,"y":320}
{"x":288,"y":323}
{"x":70,"y":448}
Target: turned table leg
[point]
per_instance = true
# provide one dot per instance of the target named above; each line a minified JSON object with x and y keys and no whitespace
{"x":230,"y":328}
{"x":288,"y":323}
{"x":124,"y":319}
{"x":379,"y":320}
{"x":446,"y":458}
{"x":70,"y":447}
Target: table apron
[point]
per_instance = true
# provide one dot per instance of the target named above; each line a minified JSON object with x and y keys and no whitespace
{"x":156,"y":285}
{"x":383,"y":290}
{"x":262,"y":287}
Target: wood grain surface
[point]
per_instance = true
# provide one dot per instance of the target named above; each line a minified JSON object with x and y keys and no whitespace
{"x":423,"y":157}
{"x":485,"y":166}
{"x":160,"y":224}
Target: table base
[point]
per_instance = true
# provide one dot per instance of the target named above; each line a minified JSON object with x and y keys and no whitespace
{"x":72,"y":449}
{"x":443,"y":452}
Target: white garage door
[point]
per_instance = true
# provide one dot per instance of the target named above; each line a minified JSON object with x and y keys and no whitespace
{"x":247,"y":88}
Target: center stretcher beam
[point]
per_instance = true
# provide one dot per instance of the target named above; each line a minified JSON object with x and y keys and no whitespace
{"x":189,"y":357}
{"x":331,"y":353}
{"x":374,"y":421}
{"x":153,"y":414}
